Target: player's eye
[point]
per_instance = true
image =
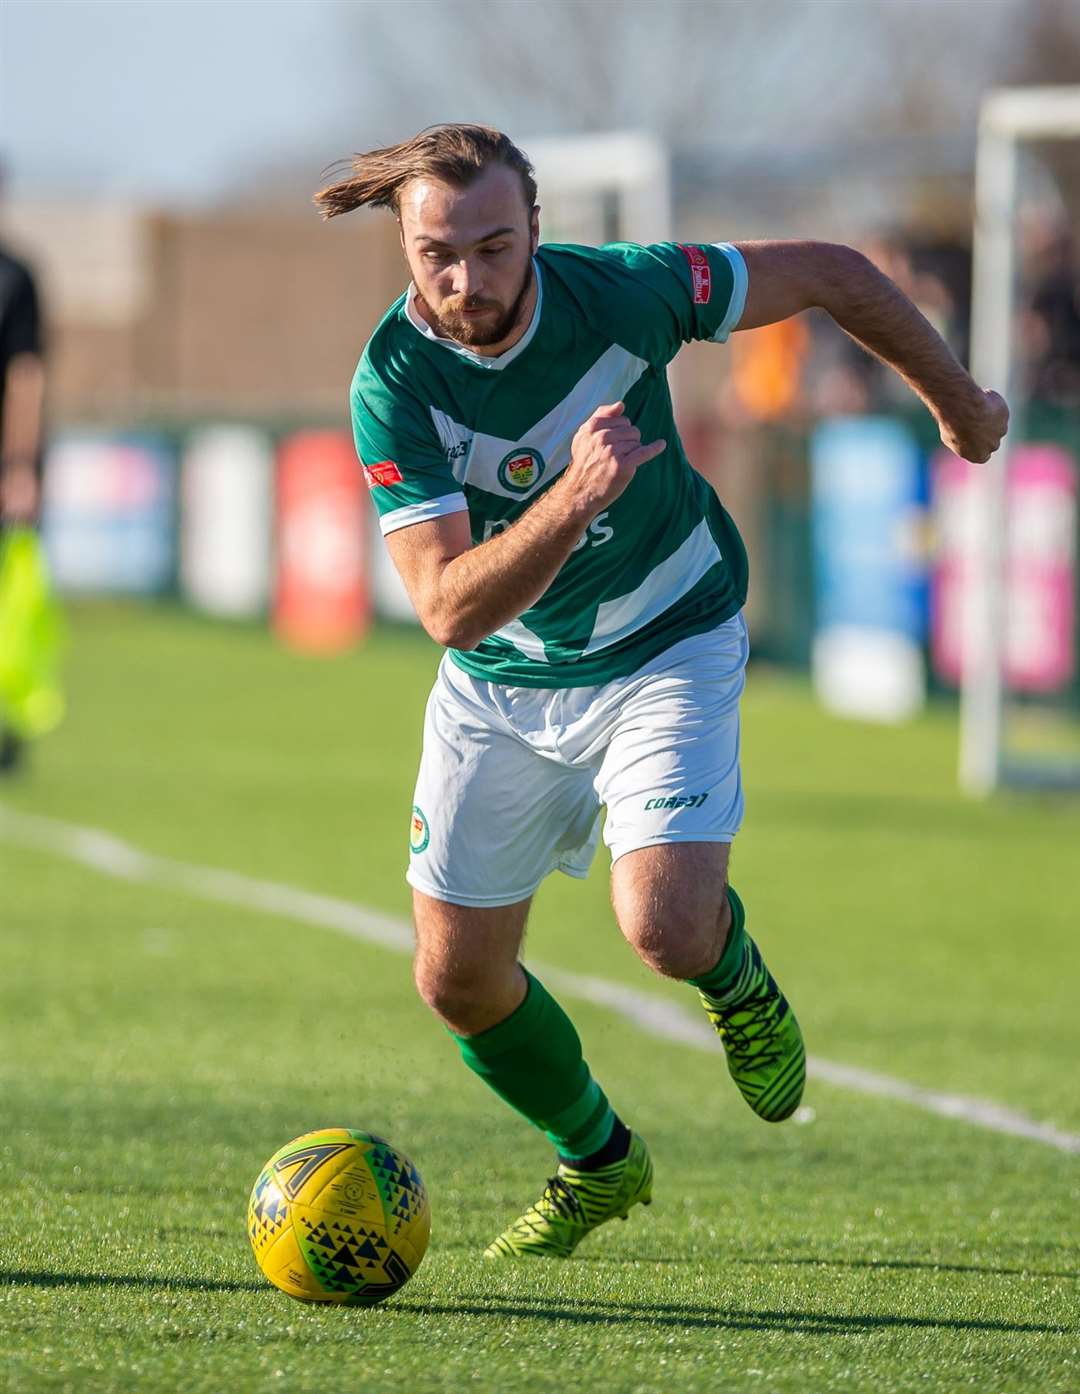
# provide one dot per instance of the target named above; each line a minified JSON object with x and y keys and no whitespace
{"x":492,"y":251}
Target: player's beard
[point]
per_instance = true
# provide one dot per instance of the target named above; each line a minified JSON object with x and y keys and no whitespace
{"x":491,"y":329}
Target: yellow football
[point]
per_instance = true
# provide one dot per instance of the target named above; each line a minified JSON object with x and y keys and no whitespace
{"x":340,"y":1216}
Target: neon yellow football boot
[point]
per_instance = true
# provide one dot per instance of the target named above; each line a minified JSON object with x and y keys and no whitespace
{"x":575,"y":1203}
{"x":765,"y":1052}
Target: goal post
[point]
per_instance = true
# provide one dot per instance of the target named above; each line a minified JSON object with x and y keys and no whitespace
{"x":1010,"y":118}
{"x":611,"y":186}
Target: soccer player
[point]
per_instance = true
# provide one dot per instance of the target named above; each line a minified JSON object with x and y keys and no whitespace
{"x":513,"y":418}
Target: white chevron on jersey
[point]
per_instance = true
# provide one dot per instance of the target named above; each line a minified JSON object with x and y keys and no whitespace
{"x":475,"y":456}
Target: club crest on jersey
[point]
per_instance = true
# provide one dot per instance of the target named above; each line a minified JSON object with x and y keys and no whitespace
{"x":520,"y":470}
{"x":419,"y":833}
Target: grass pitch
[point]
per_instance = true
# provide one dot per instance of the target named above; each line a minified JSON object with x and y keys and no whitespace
{"x":157,"y":1048}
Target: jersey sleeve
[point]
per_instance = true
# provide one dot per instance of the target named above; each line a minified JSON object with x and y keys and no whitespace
{"x":20,"y":322}
{"x":404,"y":461}
{"x":672,"y":294}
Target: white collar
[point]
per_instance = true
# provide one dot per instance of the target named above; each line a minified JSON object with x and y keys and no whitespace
{"x":500,"y":360}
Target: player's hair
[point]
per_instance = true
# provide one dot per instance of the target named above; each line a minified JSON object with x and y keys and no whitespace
{"x":455,"y":153}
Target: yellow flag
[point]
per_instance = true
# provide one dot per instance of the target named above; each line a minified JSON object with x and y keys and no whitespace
{"x":31,"y":637}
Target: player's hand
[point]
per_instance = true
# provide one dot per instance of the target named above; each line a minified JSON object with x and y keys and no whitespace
{"x":979,"y":432}
{"x":605,"y":455}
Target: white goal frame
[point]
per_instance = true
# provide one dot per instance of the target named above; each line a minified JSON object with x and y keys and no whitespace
{"x":1008,"y":117}
{"x":633,"y":166}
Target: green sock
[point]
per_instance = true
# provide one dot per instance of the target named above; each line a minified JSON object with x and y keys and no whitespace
{"x":719,"y":980}
{"x":533,"y":1060}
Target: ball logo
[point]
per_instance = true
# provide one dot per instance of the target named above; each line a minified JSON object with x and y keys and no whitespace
{"x":521,"y":469}
{"x":419,"y":833}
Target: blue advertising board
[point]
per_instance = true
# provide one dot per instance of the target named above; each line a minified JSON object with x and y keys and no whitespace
{"x":869,"y":494}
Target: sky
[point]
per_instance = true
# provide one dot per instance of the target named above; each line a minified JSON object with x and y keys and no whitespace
{"x":186,"y":102}
{"x":166,"y":100}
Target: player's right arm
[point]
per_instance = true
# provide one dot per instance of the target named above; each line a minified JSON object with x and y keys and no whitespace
{"x":464,"y":593}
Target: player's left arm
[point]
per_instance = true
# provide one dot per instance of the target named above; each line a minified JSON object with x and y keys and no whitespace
{"x":22,"y":392}
{"x":784,"y":278}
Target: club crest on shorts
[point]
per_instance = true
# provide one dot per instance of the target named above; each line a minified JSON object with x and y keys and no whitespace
{"x":419,"y":832}
{"x":521,"y":469}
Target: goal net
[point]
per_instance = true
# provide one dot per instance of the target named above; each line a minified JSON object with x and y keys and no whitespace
{"x":1008,"y":574}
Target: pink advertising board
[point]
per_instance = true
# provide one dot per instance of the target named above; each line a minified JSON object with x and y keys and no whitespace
{"x":1040,"y":609}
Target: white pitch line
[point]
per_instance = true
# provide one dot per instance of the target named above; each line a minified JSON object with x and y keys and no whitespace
{"x":667,"y":1021}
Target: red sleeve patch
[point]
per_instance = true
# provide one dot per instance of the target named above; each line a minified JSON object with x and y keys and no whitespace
{"x":384,"y":473}
{"x":700,"y":273}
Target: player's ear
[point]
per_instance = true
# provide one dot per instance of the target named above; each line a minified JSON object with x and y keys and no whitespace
{"x":534,"y":226}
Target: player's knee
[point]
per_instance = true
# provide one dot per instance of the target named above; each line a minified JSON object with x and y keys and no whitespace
{"x":459,"y":999}
{"x":676,"y":943}
{"x":442,"y":991}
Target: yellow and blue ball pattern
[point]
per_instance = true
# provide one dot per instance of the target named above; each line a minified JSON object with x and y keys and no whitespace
{"x":339,"y":1216}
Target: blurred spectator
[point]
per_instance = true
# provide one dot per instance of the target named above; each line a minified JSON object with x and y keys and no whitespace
{"x":767,"y":367}
{"x":1051,"y":323}
{"x":22,"y":385}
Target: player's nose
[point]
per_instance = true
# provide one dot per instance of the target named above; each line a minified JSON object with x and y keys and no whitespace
{"x":467,"y":279}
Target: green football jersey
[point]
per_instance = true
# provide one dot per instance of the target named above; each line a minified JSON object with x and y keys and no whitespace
{"x":440,"y":429}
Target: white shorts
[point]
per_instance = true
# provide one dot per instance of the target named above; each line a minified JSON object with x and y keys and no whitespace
{"x":512,"y":779}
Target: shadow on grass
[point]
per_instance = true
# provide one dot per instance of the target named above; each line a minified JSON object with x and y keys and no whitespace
{"x":20,"y":1278}
{"x":588,"y":1312}
{"x":922,"y":1265}
{"x":579,"y":1311}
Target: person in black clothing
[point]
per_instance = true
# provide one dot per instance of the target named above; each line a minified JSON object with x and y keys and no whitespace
{"x":22,"y":385}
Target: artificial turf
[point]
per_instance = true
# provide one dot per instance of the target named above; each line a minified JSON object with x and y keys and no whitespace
{"x":158,"y":1047}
